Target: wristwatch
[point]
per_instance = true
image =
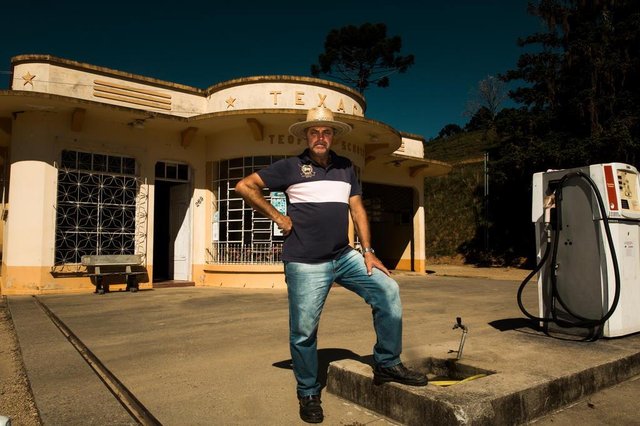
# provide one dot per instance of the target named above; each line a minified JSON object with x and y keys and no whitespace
{"x":369,"y":250}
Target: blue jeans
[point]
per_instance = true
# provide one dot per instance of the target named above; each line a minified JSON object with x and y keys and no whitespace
{"x":308,"y":285}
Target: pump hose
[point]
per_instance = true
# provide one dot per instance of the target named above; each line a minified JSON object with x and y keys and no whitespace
{"x":524,"y":283}
{"x":555,"y":295}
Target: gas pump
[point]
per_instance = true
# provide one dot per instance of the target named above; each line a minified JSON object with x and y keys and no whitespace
{"x":587,"y":224}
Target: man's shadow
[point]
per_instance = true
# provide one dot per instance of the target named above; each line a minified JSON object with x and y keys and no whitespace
{"x":325,"y":357}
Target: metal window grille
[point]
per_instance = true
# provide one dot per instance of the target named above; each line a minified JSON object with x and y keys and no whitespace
{"x":101,"y":208}
{"x":242,"y":235}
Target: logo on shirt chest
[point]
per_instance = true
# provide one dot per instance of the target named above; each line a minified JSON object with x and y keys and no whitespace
{"x":306,"y":171}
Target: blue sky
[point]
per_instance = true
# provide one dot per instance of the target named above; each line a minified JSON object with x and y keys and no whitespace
{"x":456,"y":44}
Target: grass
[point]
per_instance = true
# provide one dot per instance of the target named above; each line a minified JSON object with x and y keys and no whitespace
{"x":461,"y":148}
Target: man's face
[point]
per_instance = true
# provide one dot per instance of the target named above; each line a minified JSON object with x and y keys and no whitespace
{"x":319,"y":139}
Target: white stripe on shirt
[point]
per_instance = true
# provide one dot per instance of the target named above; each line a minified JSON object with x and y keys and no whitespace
{"x":322,"y":191}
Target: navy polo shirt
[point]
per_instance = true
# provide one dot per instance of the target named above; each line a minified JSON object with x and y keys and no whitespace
{"x":317,"y":203}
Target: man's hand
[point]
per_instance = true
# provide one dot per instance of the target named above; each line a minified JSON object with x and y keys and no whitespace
{"x":284,"y":223}
{"x":250,"y":189}
{"x":371,"y":261}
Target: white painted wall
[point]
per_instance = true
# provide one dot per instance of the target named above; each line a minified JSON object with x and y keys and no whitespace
{"x":257,"y":95}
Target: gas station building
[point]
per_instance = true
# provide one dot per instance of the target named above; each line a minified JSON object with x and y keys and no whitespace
{"x":99,"y":161}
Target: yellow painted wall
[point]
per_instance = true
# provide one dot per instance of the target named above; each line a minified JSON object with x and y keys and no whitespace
{"x":37,"y":141}
{"x":38,"y":136}
{"x":386,"y":174}
{"x":33,"y":280}
{"x":240,"y":276}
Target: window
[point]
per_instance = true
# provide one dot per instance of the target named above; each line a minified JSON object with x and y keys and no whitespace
{"x":96,"y":206}
{"x":240,"y":234}
{"x":177,"y":172}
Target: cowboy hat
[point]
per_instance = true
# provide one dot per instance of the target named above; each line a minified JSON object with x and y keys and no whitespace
{"x":319,"y":117}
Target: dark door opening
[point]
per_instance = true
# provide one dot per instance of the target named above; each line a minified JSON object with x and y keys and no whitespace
{"x":171,"y":231}
{"x":391,"y":210}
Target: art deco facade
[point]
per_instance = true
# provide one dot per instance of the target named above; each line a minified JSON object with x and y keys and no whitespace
{"x":98,"y":161}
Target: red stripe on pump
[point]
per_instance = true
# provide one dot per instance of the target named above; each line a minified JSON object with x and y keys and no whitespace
{"x":611,"y":188}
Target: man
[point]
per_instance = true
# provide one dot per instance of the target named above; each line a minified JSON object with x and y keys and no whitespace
{"x":322,"y":189}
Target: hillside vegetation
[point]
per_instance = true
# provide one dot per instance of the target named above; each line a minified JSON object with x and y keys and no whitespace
{"x":578,"y":87}
{"x":462,"y":147}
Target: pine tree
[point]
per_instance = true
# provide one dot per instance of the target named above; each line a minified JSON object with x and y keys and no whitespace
{"x":584,"y":81}
{"x":359,"y":56}
{"x":580,"y":106}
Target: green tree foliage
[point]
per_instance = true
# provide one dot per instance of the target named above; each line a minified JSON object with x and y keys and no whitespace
{"x":581,"y":105}
{"x":449,"y":130}
{"x":583,"y":91}
{"x":359,"y":56}
{"x":454,"y":210}
{"x":481,"y":120}
{"x":485,"y":102}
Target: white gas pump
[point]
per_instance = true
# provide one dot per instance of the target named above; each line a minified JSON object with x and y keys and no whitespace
{"x":587,"y":224}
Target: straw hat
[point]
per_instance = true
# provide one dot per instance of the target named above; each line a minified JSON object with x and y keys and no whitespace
{"x":319,"y":117}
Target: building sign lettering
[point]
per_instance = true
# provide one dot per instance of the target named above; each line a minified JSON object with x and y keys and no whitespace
{"x":299,"y":98}
{"x":282,"y":139}
{"x":352,"y":147}
{"x":275,"y":94}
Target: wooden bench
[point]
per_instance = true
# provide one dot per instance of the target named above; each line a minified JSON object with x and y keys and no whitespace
{"x":113,"y":264}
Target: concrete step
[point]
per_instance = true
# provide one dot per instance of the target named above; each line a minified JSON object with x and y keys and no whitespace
{"x":505,"y":398}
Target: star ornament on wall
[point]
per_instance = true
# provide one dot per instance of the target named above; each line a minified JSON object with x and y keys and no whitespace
{"x":28,"y":79}
{"x":230,"y":102}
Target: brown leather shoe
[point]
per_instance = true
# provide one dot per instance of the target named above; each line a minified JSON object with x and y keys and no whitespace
{"x":398,"y":373}
{"x":311,"y":409}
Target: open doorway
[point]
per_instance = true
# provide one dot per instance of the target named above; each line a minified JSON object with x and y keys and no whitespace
{"x":172,"y":223}
{"x":391,"y":210}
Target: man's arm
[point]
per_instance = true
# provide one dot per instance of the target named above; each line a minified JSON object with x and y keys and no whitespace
{"x":359,"y":216}
{"x":250,"y":188}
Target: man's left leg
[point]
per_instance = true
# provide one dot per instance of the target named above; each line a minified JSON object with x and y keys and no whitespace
{"x":382,"y":293}
{"x":308,"y":286}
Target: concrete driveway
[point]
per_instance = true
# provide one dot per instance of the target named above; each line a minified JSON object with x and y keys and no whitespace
{"x":203,"y":356}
